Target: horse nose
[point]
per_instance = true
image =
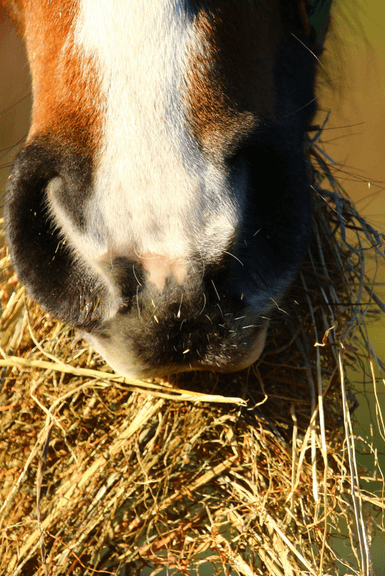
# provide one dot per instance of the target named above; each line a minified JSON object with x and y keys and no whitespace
{"x":157,"y":268}
{"x":160,"y":267}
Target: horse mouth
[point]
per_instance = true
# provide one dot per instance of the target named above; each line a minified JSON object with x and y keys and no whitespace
{"x":161,"y":353}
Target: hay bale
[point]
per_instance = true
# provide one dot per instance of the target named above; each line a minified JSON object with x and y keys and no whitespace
{"x":251,"y":472}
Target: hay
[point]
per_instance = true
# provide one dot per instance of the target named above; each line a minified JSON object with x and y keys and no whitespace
{"x":251,"y":472}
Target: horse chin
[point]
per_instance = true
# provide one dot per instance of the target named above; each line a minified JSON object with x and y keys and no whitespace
{"x":126,"y":363}
{"x":255,"y":352}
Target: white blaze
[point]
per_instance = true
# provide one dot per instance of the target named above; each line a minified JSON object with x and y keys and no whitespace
{"x":154,"y":192}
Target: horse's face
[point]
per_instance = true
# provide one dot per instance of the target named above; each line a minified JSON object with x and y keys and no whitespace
{"x":161,"y":202}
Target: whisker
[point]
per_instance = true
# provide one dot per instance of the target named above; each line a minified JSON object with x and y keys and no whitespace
{"x":137,"y":302}
{"x":230,"y":254}
{"x":9,"y":148}
{"x":16,"y":103}
{"x":180,"y":306}
{"x":309,"y":50}
{"x":278,"y":307}
{"x":204,"y":305}
{"x":307,"y":104}
{"x":215,"y":288}
{"x":136,"y":278}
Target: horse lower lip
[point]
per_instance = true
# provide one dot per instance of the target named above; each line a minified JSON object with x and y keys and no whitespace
{"x":257,"y":348}
{"x":127,"y":363}
{"x":255,"y":352}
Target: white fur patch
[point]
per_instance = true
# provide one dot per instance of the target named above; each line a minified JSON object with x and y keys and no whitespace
{"x":154,"y":192}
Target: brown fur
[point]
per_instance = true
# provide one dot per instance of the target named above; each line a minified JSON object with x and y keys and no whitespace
{"x":231,"y":79}
{"x":66,"y":102}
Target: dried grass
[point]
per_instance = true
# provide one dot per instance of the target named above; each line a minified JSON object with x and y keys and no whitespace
{"x":252,"y":472}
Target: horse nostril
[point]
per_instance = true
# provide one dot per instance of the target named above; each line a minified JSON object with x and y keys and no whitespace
{"x":128,"y":279}
{"x":29,"y":229}
{"x":38,"y":248}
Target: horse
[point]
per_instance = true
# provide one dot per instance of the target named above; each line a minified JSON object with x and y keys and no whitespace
{"x":161,"y":203}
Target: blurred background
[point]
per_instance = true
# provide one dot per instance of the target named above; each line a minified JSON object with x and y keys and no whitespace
{"x":15,"y":102}
{"x":354,"y":137}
